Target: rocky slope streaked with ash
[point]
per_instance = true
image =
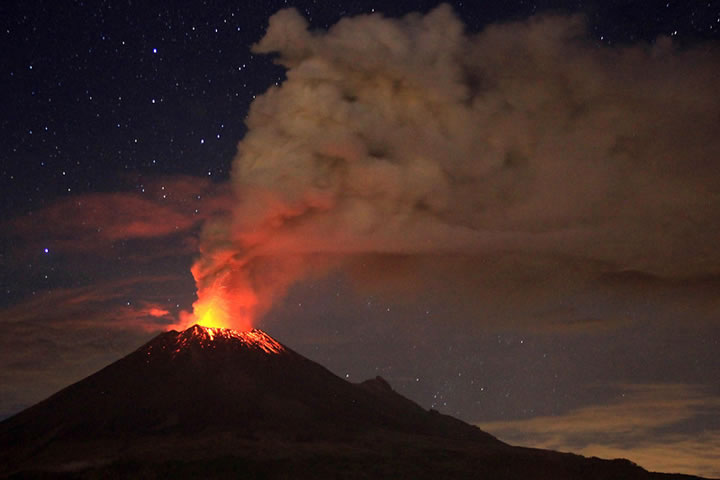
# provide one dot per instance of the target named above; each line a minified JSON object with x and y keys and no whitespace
{"x":216,"y":403}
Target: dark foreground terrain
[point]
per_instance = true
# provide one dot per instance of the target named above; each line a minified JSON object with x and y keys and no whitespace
{"x":211,"y":403}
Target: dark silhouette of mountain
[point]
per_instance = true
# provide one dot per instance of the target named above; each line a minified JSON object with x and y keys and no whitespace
{"x":215,"y":403}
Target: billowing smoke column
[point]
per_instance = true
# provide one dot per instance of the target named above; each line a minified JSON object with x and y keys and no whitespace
{"x":411,"y":137}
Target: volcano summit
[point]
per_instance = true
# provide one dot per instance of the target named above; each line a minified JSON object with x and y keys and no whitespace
{"x":219,"y":403}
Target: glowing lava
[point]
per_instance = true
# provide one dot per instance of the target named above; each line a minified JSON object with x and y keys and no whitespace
{"x":206,"y":337}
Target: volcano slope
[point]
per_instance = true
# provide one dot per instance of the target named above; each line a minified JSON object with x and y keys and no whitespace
{"x":218,"y":403}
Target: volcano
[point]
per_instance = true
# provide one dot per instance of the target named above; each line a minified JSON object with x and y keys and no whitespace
{"x":219,"y":403}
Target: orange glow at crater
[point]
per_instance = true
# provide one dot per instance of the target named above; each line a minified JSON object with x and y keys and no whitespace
{"x":225,"y":303}
{"x":212,"y":311}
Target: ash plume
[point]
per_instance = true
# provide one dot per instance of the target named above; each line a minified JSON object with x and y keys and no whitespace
{"x":411,"y":137}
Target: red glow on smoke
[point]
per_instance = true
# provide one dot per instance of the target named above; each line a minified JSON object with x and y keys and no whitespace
{"x":158,"y":312}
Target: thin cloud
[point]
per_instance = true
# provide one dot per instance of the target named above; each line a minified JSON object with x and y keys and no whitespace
{"x":94,"y":221}
{"x":64,"y":307}
{"x":646,"y":425}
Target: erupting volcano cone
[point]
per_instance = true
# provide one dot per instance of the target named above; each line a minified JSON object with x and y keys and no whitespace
{"x":220,"y":403}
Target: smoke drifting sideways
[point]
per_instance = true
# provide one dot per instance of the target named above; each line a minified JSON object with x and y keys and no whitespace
{"x":410,"y":138}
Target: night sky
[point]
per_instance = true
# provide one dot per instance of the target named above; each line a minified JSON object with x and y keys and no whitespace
{"x":509,"y":210}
